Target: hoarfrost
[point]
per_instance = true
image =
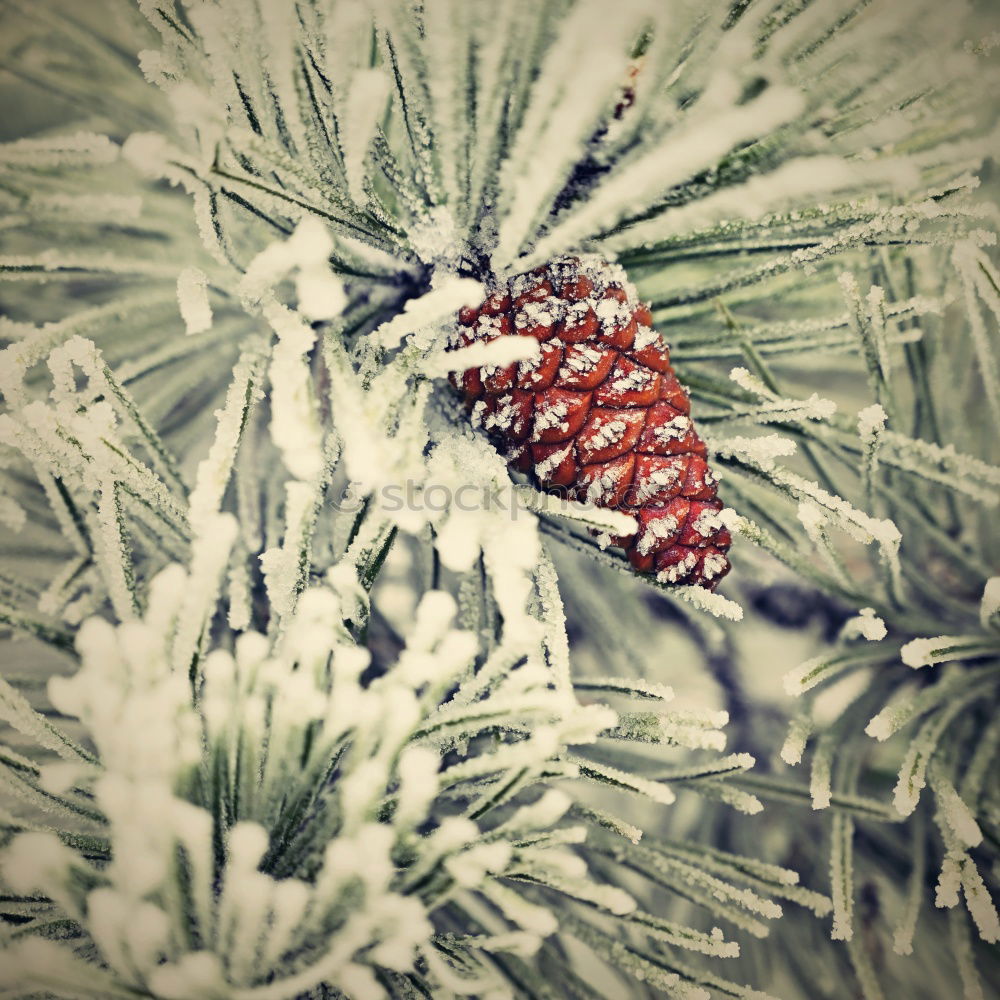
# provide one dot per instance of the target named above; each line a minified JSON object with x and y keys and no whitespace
{"x":192,"y":296}
{"x":761,"y":451}
{"x":795,"y":742}
{"x":866,"y":624}
{"x":438,"y":305}
{"x":79,"y":149}
{"x":295,"y":425}
{"x":990,"y":603}
{"x":928,"y":652}
{"x":365,"y":103}
{"x":501,"y":352}
{"x":871,"y":420}
{"x":714,"y":604}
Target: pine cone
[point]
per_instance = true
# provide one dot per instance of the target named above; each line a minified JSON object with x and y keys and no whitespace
{"x":599,"y":416}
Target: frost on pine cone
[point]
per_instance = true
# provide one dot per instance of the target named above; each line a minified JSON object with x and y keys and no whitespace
{"x":599,"y":415}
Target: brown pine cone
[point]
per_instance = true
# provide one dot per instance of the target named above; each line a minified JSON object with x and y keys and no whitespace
{"x":599,"y":415}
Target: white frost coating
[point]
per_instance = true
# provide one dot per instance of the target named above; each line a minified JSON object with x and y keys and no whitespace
{"x":842,"y":877}
{"x":151,"y":154}
{"x":608,"y":432}
{"x":88,"y":207}
{"x":418,"y":785}
{"x":210,"y":553}
{"x":714,"y":604}
{"x":807,"y":675}
{"x":214,"y":470}
{"x":971,"y":263}
{"x":529,"y":916}
{"x":960,"y":874}
{"x":856,"y":523}
{"x":295,"y":424}
{"x":570,"y":89}
{"x":657,"y":791}
{"x":990,"y":604}
{"x":240,"y":597}
{"x":552,"y":416}
{"x":39,"y":862}
{"x":615,"y":521}
{"x":635,"y":688}
{"x":16,"y":711}
{"x":501,"y":352}
{"x":365,"y":104}
{"x":747,"y":380}
{"x":655,"y":482}
{"x":192,"y":297}
{"x":383,"y":716}
{"x":306,"y":251}
{"x":799,"y":731}
{"x":636,"y":379}
{"x":774,"y":408}
{"x":980,"y":903}
{"x":706,"y":522}
{"x":913,"y":771}
{"x":962,"y":472}
{"x":432,"y":621}
{"x":871,"y":420}
{"x":447,"y":25}
{"x":871,"y":426}
{"x":957,"y":814}
{"x":546,"y":811}
{"x":157,"y":67}
{"x":881,"y":726}
{"x":545,"y":468}
{"x":732,"y":520}
{"x":320,"y":293}
{"x":439,"y":304}
{"x":949,"y":881}
{"x":585,"y":358}
{"x":806,"y":177}
{"x":472,"y":866}
{"x":436,"y":239}
{"x":147,"y":152}
{"x":701,"y":142}
{"x":658,"y":529}
{"x":79,"y":149}
{"x":678,"y":730}
{"x":927,"y":652}
{"x":281,"y":565}
{"x":820,"y":779}
{"x":865,"y":624}
{"x":760,"y":451}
